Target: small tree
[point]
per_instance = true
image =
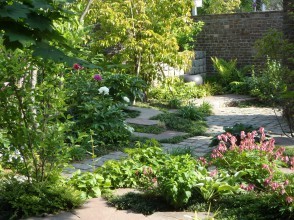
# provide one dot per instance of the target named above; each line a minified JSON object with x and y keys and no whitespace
{"x":142,"y":33}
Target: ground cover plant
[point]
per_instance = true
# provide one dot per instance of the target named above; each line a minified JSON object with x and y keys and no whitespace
{"x":242,"y":172}
{"x":190,"y":119}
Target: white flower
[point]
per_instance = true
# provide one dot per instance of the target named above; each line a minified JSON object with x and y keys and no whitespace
{"x":126,"y":99}
{"x":103,"y":90}
{"x":129,"y":128}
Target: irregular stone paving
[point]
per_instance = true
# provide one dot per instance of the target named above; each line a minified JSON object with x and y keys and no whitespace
{"x":223,"y":115}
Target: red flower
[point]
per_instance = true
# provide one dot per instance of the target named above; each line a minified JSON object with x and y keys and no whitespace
{"x":77,"y":66}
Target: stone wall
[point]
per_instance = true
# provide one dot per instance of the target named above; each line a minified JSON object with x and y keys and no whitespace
{"x":232,"y":36}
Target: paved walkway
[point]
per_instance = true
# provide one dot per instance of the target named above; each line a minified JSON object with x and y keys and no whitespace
{"x":223,"y":116}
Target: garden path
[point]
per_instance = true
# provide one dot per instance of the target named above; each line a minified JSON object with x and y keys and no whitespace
{"x":223,"y":116}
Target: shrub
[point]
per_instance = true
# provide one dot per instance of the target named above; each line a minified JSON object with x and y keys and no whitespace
{"x":121,"y":85}
{"x":24,"y":199}
{"x":268,"y":85}
{"x":123,"y":173}
{"x":259,"y":160}
{"x":174,"y":89}
{"x":91,"y":185}
{"x":32,"y":121}
{"x":92,"y":108}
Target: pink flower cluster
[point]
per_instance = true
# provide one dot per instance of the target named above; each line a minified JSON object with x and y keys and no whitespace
{"x":249,"y":187}
{"x":203,"y":161}
{"x":248,"y":143}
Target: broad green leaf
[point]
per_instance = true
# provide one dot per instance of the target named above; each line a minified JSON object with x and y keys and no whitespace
{"x":14,"y":11}
{"x":97,"y":191}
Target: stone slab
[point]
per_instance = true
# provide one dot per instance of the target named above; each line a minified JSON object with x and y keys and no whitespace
{"x":142,"y":121}
{"x":284,"y":141}
{"x":162,"y":136}
{"x":146,"y":113}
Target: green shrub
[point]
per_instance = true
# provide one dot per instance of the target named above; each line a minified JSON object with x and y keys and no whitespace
{"x":121,"y":85}
{"x":259,"y":160}
{"x":32,"y":115}
{"x":175,"y":89}
{"x":268,"y":85}
{"x":176,"y":179}
{"x":91,"y":185}
{"x":23,"y":199}
{"x":123,"y":173}
{"x":190,"y":112}
{"x":195,"y":113}
{"x":92,"y":109}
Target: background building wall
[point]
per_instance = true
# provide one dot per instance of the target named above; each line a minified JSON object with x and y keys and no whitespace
{"x":232,"y":36}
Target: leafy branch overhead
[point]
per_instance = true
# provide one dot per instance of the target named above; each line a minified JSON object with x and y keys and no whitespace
{"x":29,"y":24}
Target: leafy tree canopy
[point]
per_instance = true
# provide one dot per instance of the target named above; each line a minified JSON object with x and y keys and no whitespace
{"x":143,"y":33}
{"x":30,"y":24}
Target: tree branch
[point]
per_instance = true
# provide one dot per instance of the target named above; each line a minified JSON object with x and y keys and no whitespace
{"x":86,"y":11}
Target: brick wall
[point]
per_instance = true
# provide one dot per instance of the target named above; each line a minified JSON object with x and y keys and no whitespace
{"x":231,"y":36}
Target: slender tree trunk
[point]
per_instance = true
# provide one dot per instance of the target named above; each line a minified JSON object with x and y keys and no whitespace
{"x":86,"y":11}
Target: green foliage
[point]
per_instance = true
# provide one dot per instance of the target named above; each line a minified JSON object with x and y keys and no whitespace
{"x":174,"y":122}
{"x":22,"y":199}
{"x":214,"y":184}
{"x":173,"y":92}
{"x":141,"y":203}
{"x":282,"y":49}
{"x":32,"y":121}
{"x":195,"y":113}
{"x":121,"y":85}
{"x":93,"y":110}
{"x":31,"y":24}
{"x":220,"y":6}
{"x":123,"y":173}
{"x":180,"y":151}
{"x":27,"y":23}
{"x":143,"y":34}
{"x":176,"y":179}
{"x":91,"y":185}
{"x":269,"y":84}
{"x":250,"y":206}
{"x":190,"y":112}
{"x":229,"y":75}
{"x":189,"y":119}
{"x":174,"y":103}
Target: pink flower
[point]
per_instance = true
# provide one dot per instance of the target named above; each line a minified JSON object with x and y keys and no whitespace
{"x":97,"y":77}
{"x":77,"y":66}
{"x":265,"y":166}
{"x":250,"y":187}
{"x":267,"y":181}
{"x":203,"y":160}
{"x":286,"y":182}
{"x":261,"y":130}
{"x":213,"y":173}
{"x":289,"y":199}
{"x":243,"y":135}
{"x":275,"y":185}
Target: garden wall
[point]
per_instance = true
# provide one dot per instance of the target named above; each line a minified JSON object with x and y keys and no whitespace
{"x":231,"y":36}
